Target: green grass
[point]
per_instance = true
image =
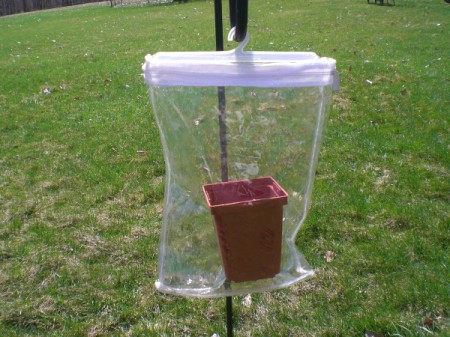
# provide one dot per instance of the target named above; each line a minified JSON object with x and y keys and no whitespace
{"x":80,"y":207}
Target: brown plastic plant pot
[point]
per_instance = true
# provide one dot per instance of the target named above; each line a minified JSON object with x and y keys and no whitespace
{"x":248,"y":216}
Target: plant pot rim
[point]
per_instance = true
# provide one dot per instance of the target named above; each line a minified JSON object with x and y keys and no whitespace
{"x":278,"y":195}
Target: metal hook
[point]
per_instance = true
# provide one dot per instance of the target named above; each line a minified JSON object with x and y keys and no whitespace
{"x":239,"y":18}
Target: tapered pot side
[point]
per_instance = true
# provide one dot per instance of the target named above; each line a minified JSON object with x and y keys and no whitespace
{"x":248,"y":217}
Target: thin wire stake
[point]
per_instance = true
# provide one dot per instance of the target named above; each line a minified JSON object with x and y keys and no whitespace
{"x":223,"y":140}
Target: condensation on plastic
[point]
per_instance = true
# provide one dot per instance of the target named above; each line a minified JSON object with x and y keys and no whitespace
{"x":272,"y":130}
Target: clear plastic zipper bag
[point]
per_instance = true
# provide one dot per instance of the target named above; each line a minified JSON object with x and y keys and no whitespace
{"x":241,"y":133}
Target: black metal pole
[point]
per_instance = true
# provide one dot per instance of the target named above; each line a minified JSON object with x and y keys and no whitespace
{"x":221,"y":96}
{"x":229,"y":300}
{"x":239,"y":18}
{"x":219,"y":24}
{"x":223,"y":134}
{"x":233,"y":10}
{"x":223,"y":138}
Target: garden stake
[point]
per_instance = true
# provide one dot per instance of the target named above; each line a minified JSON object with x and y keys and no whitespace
{"x":238,"y":19}
{"x":223,"y":139}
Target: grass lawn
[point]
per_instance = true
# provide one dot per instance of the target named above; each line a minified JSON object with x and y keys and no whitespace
{"x":82,"y":173}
